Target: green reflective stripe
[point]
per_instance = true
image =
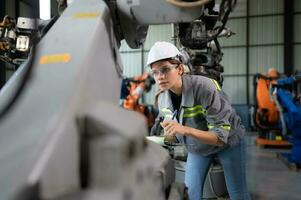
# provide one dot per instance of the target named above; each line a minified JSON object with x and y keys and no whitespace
{"x":166,"y":110}
{"x":167,"y":113}
{"x":225,"y":127}
{"x":197,"y":108}
{"x":217,"y":86}
{"x":194,"y":113}
{"x":194,"y":108}
{"x":210,"y":126}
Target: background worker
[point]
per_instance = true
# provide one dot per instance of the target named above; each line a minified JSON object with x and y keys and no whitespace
{"x":205,"y":121}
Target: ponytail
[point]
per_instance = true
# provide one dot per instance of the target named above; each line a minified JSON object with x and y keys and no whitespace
{"x":157,"y":97}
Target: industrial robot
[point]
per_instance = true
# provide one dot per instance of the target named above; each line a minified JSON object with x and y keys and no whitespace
{"x":266,"y":115}
{"x":288,"y":97}
{"x":132,"y":90}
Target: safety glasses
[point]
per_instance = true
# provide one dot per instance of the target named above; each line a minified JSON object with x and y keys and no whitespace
{"x":163,"y":70}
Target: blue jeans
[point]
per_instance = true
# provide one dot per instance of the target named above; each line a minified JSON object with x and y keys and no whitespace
{"x":234,"y":164}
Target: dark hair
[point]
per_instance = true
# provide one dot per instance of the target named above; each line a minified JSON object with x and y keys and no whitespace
{"x":170,"y":60}
{"x":173,"y":61}
{"x":157,"y":97}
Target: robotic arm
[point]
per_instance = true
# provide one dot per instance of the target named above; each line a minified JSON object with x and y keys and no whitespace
{"x":195,"y":28}
{"x":200,"y":39}
{"x":16,"y":39}
{"x":136,"y":87}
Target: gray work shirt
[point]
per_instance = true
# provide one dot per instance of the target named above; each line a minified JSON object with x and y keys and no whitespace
{"x":204,"y":106}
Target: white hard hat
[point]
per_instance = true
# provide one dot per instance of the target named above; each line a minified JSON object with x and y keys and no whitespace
{"x":161,"y":51}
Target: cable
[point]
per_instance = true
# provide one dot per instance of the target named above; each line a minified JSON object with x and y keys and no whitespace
{"x":24,"y":80}
{"x":223,"y":20}
{"x":46,"y":28}
{"x":183,"y":4}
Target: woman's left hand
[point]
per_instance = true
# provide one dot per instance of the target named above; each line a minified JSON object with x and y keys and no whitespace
{"x":173,"y":128}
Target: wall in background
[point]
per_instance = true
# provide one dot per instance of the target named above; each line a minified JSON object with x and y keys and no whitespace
{"x":134,"y":60}
{"x":297,"y":35}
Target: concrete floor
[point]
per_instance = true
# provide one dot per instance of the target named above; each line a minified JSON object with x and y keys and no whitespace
{"x":268,"y":177}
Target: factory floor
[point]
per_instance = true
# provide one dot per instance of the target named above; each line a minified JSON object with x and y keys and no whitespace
{"x":268,"y":177}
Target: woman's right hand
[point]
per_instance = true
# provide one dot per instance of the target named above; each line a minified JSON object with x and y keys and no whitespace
{"x":172,"y":128}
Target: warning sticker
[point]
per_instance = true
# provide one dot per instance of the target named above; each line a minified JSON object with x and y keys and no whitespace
{"x":86,"y":15}
{"x":55,"y":58}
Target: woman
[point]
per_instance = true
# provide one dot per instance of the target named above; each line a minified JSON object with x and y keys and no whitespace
{"x":198,"y":113}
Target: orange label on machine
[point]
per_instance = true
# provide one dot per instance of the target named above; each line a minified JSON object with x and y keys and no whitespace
{"x":55,"y":58}
{"x":86,"y":15}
